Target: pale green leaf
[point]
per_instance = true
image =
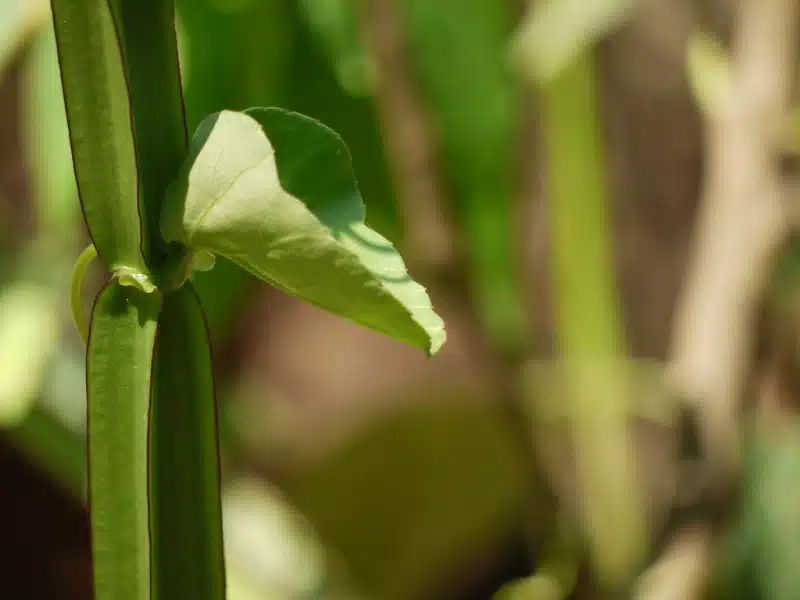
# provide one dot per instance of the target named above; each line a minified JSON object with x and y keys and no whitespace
{"x":274,"y":192}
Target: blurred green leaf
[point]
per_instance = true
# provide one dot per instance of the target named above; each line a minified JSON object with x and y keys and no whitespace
{"x":757,"y":555}
{"x":271,"y":543}
{"x":64,"y":388}
{"x":777,"y":499}
{"x":556,"y":32}
{"x":20,"y":20}
{"x":319,"y":95}
{"x":334,"y":25}
{"x":229,"y":199}
{"x":261,"y":30}
{"x":47,"y":143}
{"x":458,"y":49}
{"x":29,"y":328}
{"x":52,"y":447}
{"x":407,"y":500}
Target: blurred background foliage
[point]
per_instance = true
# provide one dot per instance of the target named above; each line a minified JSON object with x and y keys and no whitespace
{"x":548,"y":216}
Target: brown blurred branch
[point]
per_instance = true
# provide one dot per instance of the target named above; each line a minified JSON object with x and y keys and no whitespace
{"x":743,"y":220}
{"x":742,"y":223}
{"x":682,"y":570}
{"x":410,"y":142}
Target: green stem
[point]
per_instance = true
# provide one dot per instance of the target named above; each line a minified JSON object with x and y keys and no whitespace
{"x":588,"y":328}
{"x":183,"y":463}
{"x":119,"y":366}
{"x":99,"y":117}
{"x":150,"y":50}
{"x":186,"y":521}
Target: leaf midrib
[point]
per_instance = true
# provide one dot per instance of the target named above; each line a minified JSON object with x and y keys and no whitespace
{"x":192,"y":230}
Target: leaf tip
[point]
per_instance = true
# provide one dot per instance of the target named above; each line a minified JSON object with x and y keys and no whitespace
{"x":437,"y":336}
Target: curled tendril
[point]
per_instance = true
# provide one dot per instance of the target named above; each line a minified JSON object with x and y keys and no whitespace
{"x":75,"y":286}
{"x":126,"y":276}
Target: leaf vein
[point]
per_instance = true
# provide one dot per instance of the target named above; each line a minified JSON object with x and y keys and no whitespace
{"x":223,"y":192}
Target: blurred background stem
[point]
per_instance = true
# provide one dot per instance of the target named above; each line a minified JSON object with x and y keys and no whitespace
{"x":589,"y":333}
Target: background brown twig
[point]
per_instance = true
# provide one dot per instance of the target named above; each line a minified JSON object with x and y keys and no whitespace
{"x":742,"y":223}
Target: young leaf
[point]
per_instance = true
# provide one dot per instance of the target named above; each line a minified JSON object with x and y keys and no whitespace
{"x":121,"y":341}
{"x":274,"y":192}
{"x":99,"y":117}
{"x":184,"y":463}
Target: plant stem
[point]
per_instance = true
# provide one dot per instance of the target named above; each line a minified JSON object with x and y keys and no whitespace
{"x":120,"y":353}
{"x":150,"y":49}
{"x":99,"y":117}
{"x":588,"y":326}
{"x":186,"y":519}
